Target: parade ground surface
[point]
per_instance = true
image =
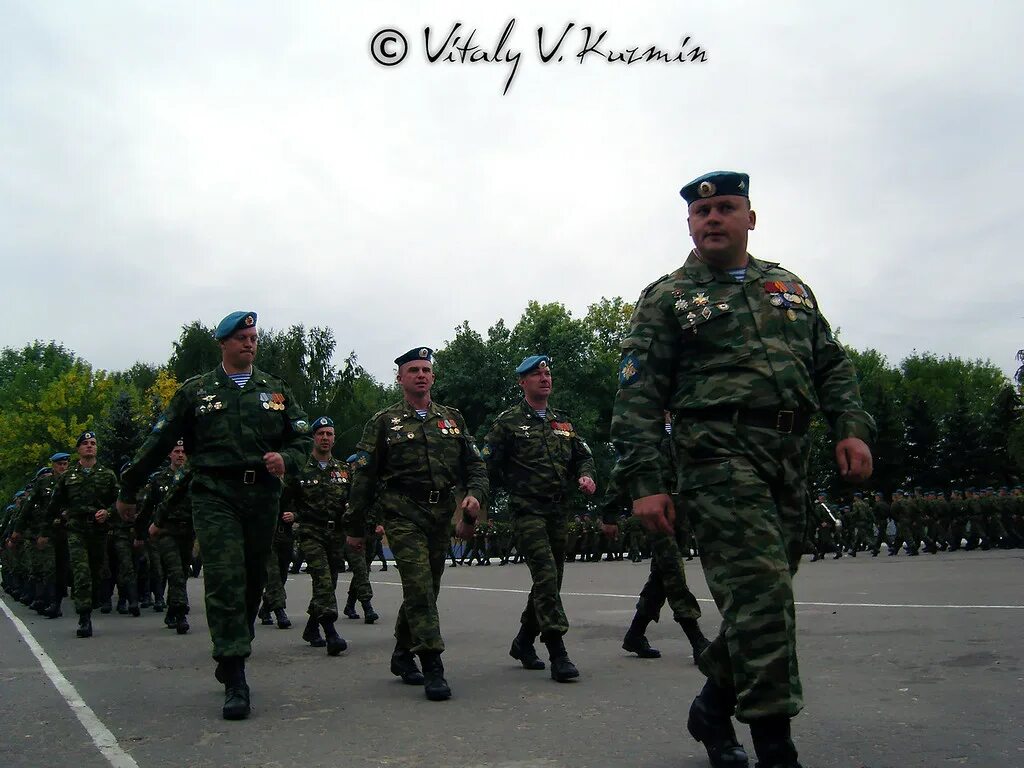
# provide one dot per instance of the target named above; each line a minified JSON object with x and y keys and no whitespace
{"x":905,"y":662}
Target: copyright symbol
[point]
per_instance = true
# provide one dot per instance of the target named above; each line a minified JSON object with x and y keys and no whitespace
{"x":389,"y":47}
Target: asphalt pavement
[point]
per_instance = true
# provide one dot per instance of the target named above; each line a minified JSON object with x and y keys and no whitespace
{"x":905,"y":662}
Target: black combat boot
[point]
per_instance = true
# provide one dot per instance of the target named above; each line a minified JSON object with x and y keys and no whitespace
{"x":523,"y":650}
{"x":236,"y":690}
{"x":697,"y":640}
{"x":147,"y":600}
{"x":122,"y":605}
{"x":54,"y":600}
{"x":181,"y":621}
{"x":562,"y":669}
{"x":710,"y":723}
{"x":159,"y":606}
{"x":369,"y":615}
{"x":283,"y":622}
{"x":311,"y":634}
{"x":265,"y":618}
{"x":772,"y":742}
{"x":133,"y":601}
{"x":403,"y":664}
{"x":84,"y":624}
{"x":350,"y":608}
{"x":171,"y":619}
{"x":434,"y":684}
{"x":635,"y":640}
{"x":38,"y":592}
{"x":335,"y":642}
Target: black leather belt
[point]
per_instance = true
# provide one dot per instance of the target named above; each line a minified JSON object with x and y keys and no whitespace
{"x":421,"y":494}
{"x":236,"y":474}
{"x":785,"y":422}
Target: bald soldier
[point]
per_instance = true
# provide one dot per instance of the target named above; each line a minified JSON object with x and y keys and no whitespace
{"x":242,"y":430}
{"x":738,"y":351}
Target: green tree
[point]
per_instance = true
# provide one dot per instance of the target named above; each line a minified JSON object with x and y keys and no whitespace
{"x":195,"y":351}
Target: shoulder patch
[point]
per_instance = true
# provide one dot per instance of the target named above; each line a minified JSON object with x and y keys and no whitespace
{"x":362,"y":459}
{"x":629,"y":369}
{"x":301,"y":426}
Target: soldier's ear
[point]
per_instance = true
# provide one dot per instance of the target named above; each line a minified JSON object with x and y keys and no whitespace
{"x":753,"y":220}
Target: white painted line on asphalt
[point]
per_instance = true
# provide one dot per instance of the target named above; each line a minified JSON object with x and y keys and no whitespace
{"x":98,"y":732}
{"x":709,"y":600}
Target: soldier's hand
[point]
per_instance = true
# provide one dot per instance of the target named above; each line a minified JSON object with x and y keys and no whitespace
{"x":854,"y":459}
{"x":125,"y":510}
{"x":102,"y":515}
{"x":587,"y":485}
{"x":471,"y":506}
{"x":379,"y":530}
{"x":41,"y":542}
{"x":288,"y":517}
{"x":274,"y":463}
{"x":610,"y":531}
{"x":656,"y":513}
{"x":464,"y":530}
{"x":154,"y":531}
{"x":355,"y":542}
{"x":15,"y":537}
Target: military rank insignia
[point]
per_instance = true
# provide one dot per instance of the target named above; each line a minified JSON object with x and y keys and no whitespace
{"x":447,"y":427}
{"x":629,"y":370}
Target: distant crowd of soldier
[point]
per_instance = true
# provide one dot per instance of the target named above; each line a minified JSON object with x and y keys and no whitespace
{"x":974,"y":518}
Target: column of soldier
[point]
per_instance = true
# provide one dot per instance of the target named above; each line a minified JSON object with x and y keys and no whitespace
{"x":928,"y":520}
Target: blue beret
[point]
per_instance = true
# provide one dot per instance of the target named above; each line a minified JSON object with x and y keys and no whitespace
{"x":44,"y":471}
{"x":531,"y":362}
{"x":18,"y":494}
{"x":715,"y":184}
{"x":320,"y":423}
{"x":420,"y":353}
{"x":60,"y":457}
{"x":351,"y":458}
{"x":858,"y":495}
{"x":87,"y":435}
{"x":234,"y":322}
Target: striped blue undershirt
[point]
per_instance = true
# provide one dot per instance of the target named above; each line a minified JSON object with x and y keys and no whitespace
{"x":241,"y":379}
{"x":422,"y":414}
{"x":668,"y":428}
{"x":739,"y":275}
{"x":542,"y":412}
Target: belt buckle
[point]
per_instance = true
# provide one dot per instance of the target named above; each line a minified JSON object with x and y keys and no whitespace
{"x":249,"y":477}
{"x":434,"y":497}
{"x":330,"y":525}
{"x":784,"y":421}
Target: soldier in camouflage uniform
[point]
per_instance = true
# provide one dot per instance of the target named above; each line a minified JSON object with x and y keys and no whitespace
{"x":535,"y":453}
{"x":860,"y":537}
{"x":907,"y":533}
{"x":737,"y":349}
{"x":84,"y":496}
{"x":825,"y":529}
{"x":880,"y":513}
{"x":20,"y":550}
{"x":26,"y":528}
{"x":46,"y":556}
{"x":316,"y":498}
{"x":121,"y":556}
{"x":242,"y":430}
{"x":170,"y":529}
{"x":411,"y":459}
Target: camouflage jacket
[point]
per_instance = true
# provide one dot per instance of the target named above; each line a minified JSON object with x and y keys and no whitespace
{"x":35,"y":519}
{"x":225,"y":427}
{"x":861,"y":513}
{"x":173,"y":512}
{"x":401,"y":458}
{"x":699,"y":339}
{"x":316,"y":495}
{"x":154,"y":493}
{"x":80,"y":493}
{"x":535,"y":459}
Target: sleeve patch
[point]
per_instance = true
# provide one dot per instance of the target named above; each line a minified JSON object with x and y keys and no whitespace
{"x":301,"y":426}
{"x":486,"y":452}
{"x":629,"y":369}
{"x":362,"y":458}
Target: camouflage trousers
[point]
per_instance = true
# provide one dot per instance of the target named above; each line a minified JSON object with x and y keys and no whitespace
{"x":324,"y":552}
{"x":88,"y":550}
{"x":154,"y":577}
{"x":359,"y":587}
{"x":541,"y":540}
{"x":420,"y":553}
{"x":667,"y":580}
{"x":234,"y":524}
{"x":175,"y":551}
{"x":744,"y":490}
{"x":122,"y":561}
{"x":44,"y":562}
{"x":274,"y":596}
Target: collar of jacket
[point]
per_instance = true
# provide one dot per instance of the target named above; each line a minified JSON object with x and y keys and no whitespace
{"x":332,"y":463}
{"x":526,"y":408}
{"x":702,"y":273}
{"x":257,"y":377}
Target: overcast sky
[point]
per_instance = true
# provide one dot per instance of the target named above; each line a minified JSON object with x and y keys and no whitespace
{"x":164,"y":162}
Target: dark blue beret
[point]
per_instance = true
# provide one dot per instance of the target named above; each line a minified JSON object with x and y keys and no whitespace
{"x":44,"y":471}
{"x":351,"y":458}
{"x":320,"y":423}
{"x":532,"y":362}
{"x":236,"y":321}
{"x":60,"y":456}
{"x":18,"y":494}
{"x":420,"y":353}
{"x":715,"y":184}
{"x":87,"y":435}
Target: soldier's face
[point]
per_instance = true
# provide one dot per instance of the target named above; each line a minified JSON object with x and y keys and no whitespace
{"x":87,"y":450}
{"x":537,"y":383}
{"x":324,"y":439}
{"x":60,"y":467}
{"x":239,"y":349}
{"x":178,"y":457}
{"x":719,"y":225}
{"x":416,"y":378}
